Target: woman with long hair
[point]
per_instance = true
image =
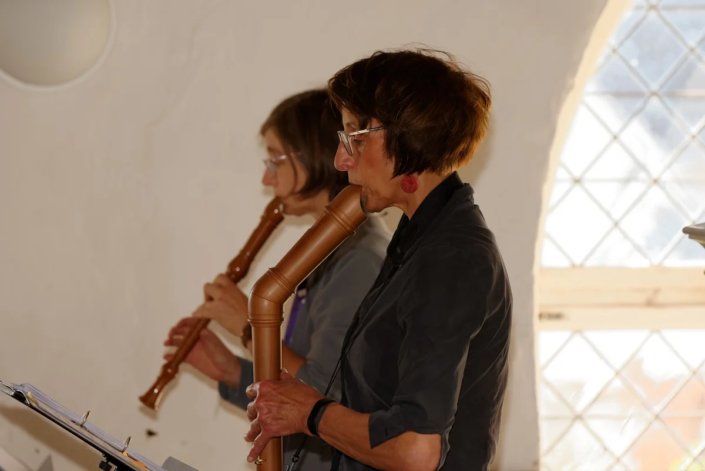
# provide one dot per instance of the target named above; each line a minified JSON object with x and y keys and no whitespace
{"x":300,"y":140}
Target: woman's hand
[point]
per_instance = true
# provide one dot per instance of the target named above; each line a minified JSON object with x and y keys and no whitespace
{"x":226,"y":305}
{"x":209,"y":356}
{"x":278,"y":408}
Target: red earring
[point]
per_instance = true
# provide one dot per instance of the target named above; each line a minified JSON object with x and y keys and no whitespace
{"x":409,"y":184}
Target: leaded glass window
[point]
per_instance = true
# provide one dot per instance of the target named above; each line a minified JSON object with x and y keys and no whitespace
{"x":622,"y":300}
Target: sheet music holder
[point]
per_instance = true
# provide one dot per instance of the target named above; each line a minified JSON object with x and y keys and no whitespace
{"x":115,"y":453}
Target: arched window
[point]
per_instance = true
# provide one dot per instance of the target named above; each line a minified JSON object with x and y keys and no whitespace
{"x":622,"y":293}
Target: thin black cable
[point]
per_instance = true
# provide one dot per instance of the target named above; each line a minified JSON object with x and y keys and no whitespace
{"x":336,"y":371}
{"x":338,"y":366}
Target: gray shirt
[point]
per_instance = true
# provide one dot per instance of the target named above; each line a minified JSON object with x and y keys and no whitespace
{"x":334,"y":292}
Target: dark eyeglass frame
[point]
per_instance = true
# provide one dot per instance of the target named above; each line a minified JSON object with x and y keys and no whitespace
{"x":347,"y":142}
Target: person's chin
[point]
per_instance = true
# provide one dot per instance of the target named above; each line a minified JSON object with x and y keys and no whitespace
{"x":288,"y":209}
{"x":369,"y":205}
{"x":292,"y":211}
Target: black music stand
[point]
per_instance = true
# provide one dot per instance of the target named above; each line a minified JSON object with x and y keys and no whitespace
{"x":117,"y":456}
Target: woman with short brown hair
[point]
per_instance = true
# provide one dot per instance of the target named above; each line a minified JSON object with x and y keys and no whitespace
{"x":424,"y":363}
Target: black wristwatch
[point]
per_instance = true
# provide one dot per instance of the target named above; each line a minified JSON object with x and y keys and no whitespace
{"x":314,"y":418}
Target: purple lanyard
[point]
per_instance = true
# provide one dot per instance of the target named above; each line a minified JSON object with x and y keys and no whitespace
{"x":299,"y":301}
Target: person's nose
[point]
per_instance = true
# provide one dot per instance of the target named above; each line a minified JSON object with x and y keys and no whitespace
{"x":343,"y":161}
{"x":269,"y":178}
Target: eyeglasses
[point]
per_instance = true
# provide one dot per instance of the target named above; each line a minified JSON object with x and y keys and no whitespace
{"x":273,"y":162}
{"x":347,"y":142}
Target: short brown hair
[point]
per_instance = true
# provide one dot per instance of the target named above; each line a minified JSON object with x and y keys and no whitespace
{"x":307,"y":123}
{"x":435,"y":112}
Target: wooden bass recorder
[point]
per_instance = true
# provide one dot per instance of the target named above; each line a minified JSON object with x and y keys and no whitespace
{"x":237,"y":270}
{"x":340,"y":220}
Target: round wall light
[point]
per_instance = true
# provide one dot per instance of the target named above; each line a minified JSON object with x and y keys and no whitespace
{"x":47,"y":43}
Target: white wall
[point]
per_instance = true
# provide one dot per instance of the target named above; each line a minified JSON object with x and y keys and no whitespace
{"x":121,"y":195}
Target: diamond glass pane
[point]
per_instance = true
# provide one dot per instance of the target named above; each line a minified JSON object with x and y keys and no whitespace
{"x":618,"y":399}
{"x":629,"y":21}
{"x":689,"y":23}
{"x":690,"y":400}
{"x":653,"y":136}
{"x":553,"y":407}
{"x":688,"y":166}
{"x":617,"y":250}
{"x":656,"y":372}
{"x":617,"y":346}
{"x":616,"y":164}
{"x":687,"y":253}
{"x":616,"y":197}
{"x":577,"y":373}
{"x":688,"y":344}
{"x":652,"y":50}
{"x":586,"y":139}
{"x":688,"y":431}
{"x":689,"y":78}
{"x":618,"y":433}
{"x":654,"y":223}
{"x":689,"y":110}
{"x":656,"y":449}
{"x":550,"y":342}
{"x":552,"y":430}
{"x":614,"y":110}
{"x":577,"y":224}
{"x":684,"y":93}
{"x":684,"y":180}
{"x":615,"y":77}
{"x":690,"y":196}
{"x":579,"y":450}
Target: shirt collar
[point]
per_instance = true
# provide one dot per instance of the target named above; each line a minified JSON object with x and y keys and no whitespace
{"x":409,"y":230}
